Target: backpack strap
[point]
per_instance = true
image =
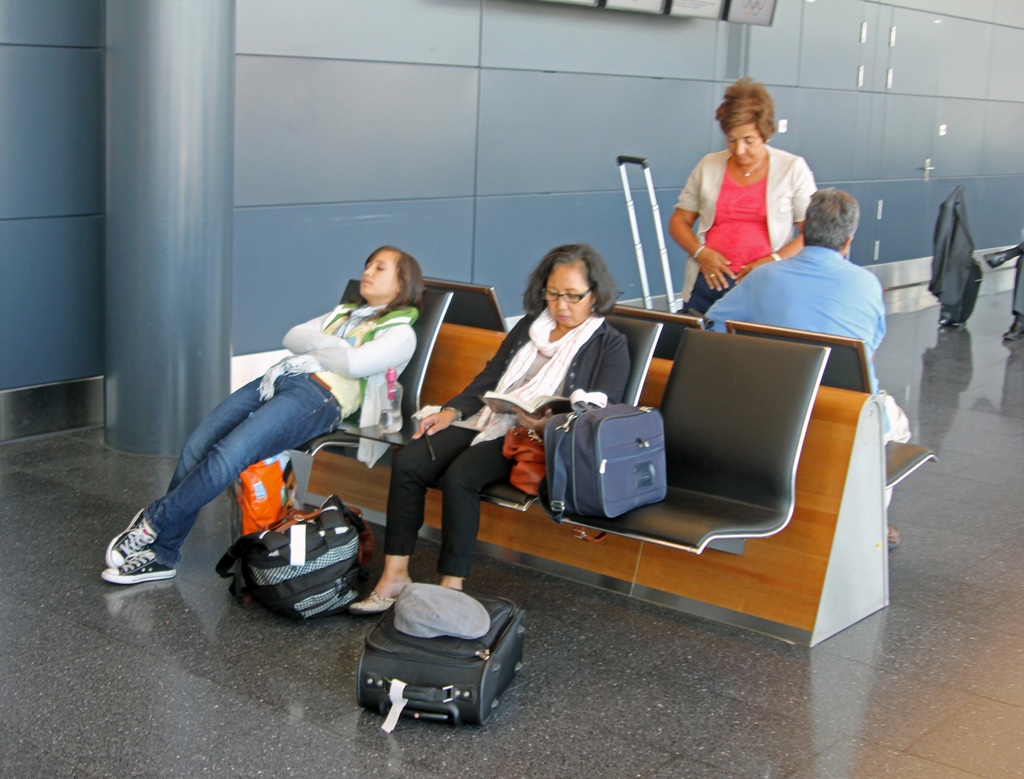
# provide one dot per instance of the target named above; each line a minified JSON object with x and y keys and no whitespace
{"x":558,"y":433}
{"x":230,"y":564}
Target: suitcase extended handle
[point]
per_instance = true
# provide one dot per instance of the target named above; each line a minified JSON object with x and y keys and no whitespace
{"x":673,"y":304}
{"x":627,"y":160}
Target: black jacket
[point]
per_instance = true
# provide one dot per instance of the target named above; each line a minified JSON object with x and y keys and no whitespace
{"x":601,"y":365}
{"x":954,"y":250}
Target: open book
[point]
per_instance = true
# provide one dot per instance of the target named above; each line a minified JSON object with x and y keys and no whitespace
{"x":507,"y":404}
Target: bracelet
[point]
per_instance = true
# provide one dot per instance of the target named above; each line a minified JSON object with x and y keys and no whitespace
{"x":776,"y":257}
{"x":700,"y":248}
{"x":458,"y":414}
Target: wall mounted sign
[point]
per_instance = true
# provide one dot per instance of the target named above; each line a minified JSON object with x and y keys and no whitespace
{"x":751,"y":12}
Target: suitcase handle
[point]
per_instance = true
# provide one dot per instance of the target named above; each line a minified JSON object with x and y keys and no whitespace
{"x":673,"y":304}
{"x":625,"y":159}
{"x":430,"y":694}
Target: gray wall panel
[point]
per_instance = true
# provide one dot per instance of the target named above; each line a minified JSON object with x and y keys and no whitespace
{"x":506,"y":252}
{"x":982,"y":10}
{"x":939,"y":55}
{"x":870,"y":136}
{"x":996,"y":208}
{"x":825,"y":130}
{"x":1003,"y":153}
{"x":538,"y":36}
{"x":966,"y":47}
{"x":830,"y":47}
{"x":558,"y":132}
{"x":1009,"y":12}
{"x":1004,"y":81}
{"x":51,"y":141}
{"x":51,"y":300}
{"x":959,"y":151}
{"x":878,"y":35}
{"x":315,"y":131}
{"x":775,"y":51}
{"x":915,"y":59}
{"x":787,"y":106}
{"x":908,"y":135}
{"x":908,"y":223}
{"x":803,"y":135}
{"x":862,"y":251}
{"x":382,"y":30}
{"x":291,"y":264}
{"x":52,"y":22}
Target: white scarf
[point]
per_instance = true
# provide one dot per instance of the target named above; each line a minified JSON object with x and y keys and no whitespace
{"x":548,"y":380}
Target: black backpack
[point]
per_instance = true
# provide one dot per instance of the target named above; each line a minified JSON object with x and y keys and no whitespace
{"x":306,"y":566}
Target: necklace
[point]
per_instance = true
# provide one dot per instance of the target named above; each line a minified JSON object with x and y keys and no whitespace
{"x":747,"y":173}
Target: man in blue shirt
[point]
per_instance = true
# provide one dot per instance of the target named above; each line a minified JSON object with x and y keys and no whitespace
{"x":818,"y":289}
{"x":822,"y":291}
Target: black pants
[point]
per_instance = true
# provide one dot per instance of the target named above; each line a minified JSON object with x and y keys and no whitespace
{"x":1018,"y":288}
{"x":461,"y":471}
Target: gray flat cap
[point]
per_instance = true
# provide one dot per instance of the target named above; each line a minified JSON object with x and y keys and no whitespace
{"x":429,"y":611}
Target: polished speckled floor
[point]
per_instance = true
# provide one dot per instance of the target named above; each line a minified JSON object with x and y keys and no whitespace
{"x":176,"y":679}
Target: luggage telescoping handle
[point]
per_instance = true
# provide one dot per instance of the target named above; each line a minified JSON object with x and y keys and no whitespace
{"x":673,"y":305}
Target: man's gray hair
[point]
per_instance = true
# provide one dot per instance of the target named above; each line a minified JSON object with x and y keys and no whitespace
{"x":832,"y":217}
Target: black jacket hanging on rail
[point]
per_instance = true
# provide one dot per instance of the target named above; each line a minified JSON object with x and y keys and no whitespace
{"x":955,"y":274}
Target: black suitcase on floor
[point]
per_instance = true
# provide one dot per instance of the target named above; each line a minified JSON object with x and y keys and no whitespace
{"x":957,"y":315}
{"x":448,"y":679}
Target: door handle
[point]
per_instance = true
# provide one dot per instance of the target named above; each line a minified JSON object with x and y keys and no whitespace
{"x":928,"y":168}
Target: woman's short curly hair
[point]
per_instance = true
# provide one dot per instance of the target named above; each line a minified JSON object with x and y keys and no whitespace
{"x":602,"y":285}
{"x":747,"y":102}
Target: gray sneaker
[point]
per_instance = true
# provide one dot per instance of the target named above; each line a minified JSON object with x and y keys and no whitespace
{"x":140,"y":567}
{"x":136,"y":537}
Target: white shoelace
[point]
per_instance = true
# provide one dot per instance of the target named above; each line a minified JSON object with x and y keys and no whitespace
{"x":138,"y":539}
{"x":137,"y":561}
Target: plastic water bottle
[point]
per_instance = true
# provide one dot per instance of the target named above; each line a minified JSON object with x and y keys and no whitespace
{"x":391,"y":415}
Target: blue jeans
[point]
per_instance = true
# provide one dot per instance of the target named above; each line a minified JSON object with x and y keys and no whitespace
{"x":241,"y":431}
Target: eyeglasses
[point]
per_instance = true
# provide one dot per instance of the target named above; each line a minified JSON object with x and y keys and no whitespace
{"x":570,"y":297}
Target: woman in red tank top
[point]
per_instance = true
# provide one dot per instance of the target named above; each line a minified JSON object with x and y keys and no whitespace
{"x":740,"y":205}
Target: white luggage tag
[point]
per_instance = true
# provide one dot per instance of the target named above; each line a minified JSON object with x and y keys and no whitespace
{"x":398,"y":701}
{"x":297,"y":543}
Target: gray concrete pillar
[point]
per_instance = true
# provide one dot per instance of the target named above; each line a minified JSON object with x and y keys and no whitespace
{"x":169,"y":197}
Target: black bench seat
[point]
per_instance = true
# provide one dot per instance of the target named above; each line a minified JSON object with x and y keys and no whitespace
{"x":736,"y":411}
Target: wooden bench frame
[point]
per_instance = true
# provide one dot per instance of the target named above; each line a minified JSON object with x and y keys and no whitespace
{"x":827,"y":570}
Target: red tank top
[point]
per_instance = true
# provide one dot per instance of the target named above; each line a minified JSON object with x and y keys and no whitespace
{"x":740,"y":229}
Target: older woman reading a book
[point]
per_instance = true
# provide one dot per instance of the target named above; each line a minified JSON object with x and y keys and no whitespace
{"x":563,"y":344}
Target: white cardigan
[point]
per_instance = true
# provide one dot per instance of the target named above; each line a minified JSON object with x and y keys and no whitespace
{"x":788,"y":192}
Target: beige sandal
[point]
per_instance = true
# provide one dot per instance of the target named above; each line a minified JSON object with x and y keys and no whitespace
{"x":374,"y":604}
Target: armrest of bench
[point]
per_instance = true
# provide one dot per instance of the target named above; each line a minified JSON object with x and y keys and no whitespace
{"x":346,"y":438}
{"x":902,"y":459}
{"x":501,"y":493}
